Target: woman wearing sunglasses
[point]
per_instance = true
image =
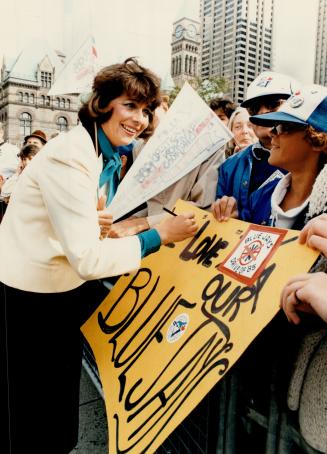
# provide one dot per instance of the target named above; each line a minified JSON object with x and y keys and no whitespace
{"x":299,"y":145}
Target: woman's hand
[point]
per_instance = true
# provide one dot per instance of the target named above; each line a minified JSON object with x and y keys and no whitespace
{"x":225,"y":208}
{"x":305,"y":293}
{"x":104,"y":218}
{"x":128,"y":227}
{"x":314,"y":234}
{"x":177,"y":228}
{"x":123,"y":169}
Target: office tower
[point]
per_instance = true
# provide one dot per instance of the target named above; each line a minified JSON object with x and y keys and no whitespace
{"x":321,"y":45}
{"x":236,"y":40}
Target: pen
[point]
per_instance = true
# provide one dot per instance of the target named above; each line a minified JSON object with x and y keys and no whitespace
{"x":170,"y":212}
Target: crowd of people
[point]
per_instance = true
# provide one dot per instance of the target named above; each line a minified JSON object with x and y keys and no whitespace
{"x":60,"y":241}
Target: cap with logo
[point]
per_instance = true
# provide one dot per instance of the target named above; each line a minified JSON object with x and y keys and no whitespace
{"x":270,"y":83}
{"x":306,"y":107}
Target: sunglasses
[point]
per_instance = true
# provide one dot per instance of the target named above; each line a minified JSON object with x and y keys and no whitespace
{"x":271,"y":105}
{"x":287,"y":128}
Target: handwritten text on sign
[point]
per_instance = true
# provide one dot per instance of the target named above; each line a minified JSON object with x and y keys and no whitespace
{"x":166,"y":335}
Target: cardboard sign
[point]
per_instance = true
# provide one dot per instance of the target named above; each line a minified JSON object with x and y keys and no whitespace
{"x":168,"y":333}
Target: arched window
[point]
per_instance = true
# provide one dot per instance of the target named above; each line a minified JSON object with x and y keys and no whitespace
{"x":43,"y":100}
{"x":62,"y":124}
{"x":57,"y":102}
{"x":68,"y":103}
{"x":26,"y":98}
{"x":62,"y":103}
{"x":31,"y":98}
{"x":25,"y":124}
{"x":20,"y":96}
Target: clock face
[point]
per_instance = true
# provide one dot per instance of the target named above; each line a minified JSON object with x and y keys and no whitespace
{"x":191,"y":31}
{"x":179,"y":31}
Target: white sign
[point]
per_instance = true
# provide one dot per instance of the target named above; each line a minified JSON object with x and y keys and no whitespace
{"x":189,"y":134}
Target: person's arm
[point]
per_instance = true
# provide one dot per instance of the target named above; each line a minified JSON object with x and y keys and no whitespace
{"x":127,"y":227}
{"x":225,"y":208}
{"x":308,"y":292}
{"x":314,"y":234}
{"x":68,"y":183}
{"x":305,"y":293}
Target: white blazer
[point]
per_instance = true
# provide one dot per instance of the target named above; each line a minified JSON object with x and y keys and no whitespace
{"x":49,"y":236}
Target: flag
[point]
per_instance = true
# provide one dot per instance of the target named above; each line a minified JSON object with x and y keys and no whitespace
{"x":78,"y":73}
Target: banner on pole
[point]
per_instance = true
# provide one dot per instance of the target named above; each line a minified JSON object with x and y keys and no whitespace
{"x":78,"y":73}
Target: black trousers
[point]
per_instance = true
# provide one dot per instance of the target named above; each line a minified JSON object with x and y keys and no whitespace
{"x":41,"y":357}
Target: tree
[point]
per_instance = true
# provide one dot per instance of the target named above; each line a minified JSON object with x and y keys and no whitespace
{"x":206,"y":88}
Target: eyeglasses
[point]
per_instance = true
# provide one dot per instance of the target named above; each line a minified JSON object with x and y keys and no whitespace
{"x":287,"y":128}
{"x":271,"y":105}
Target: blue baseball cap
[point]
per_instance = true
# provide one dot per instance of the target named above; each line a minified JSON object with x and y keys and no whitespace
{"x":308,"y":106}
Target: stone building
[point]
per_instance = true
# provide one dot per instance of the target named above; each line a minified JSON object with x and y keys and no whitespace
{"x":24,"y":103}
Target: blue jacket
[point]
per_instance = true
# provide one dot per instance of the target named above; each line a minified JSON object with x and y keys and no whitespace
{"x":260,"y":207}
{"x":234,"y":177}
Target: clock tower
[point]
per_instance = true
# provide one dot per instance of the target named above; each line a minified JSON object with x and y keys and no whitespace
{"x":185,"y":50}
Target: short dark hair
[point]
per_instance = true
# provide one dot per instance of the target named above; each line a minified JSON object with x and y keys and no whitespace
{"x":139,"y":83}
{"x":28,"y":151}
{"x":227,"y":105}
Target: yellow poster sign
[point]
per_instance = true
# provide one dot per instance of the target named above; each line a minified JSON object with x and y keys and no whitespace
{"x":168,"y":333}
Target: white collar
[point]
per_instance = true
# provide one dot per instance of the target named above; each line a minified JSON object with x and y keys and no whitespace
{"x":281,"y":218}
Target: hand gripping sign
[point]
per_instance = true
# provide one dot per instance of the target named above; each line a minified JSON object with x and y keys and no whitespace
{"x":168,"y":333}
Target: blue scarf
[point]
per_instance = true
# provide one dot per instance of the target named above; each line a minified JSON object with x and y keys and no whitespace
{"x":111,"y":166}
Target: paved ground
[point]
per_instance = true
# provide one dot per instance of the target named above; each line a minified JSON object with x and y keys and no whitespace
{"x":93,"y":424}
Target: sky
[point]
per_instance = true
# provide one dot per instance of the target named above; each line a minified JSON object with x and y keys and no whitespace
{"x":143,"y":28}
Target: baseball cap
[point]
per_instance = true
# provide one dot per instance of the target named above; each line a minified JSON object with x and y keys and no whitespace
{"x":307,"y":107}
{"x":270,"y":83}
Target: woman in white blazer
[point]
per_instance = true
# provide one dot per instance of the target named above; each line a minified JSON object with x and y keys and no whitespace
{"x":53,"y":253}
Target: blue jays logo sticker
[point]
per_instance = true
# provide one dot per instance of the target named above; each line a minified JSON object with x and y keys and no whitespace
{"x":177,"y":328}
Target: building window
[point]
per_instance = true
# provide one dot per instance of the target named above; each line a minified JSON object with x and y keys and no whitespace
{"x":25,"y":124}
{"x":62,"y":124}
{"x":26,"y":98}
{"x":46,"y":79}
{"x":62,"y":103}
{"x":20,"y":96}
{"x":31,"y":98}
